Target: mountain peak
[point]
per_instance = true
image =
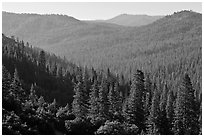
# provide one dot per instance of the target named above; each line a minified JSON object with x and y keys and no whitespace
{"x":133,"y":20}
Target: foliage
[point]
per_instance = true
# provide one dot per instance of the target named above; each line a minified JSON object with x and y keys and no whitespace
{"x":38,"y":87}
{"x":117,"y":128}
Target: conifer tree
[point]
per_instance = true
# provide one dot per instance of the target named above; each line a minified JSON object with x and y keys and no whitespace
{"x":112,"y":100}
{"x":125,"y":109}
{"x":186,"y":119}
{"x":42,"y":61}
{"x":94,"y":100}
{"x":170,"y":110}
{"x":33,"y":97}
{"x":6,"y":81}
{"x":118,"y":104}
{"x":78,"y":103}
{"x":103,"y":99}
{"x":16,"y":87}
{"x":86,"y":87}
{"x":115,"y":100}
{"x":153,"y":120}
{"x":135,"y":102}
{"x":164,"y":130}
{"x":148,"y":97}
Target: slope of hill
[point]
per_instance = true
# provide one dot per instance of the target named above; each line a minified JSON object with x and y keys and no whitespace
{"x":164,"y":50}
{"x":163,"y":42}
{"x":25,"y":112}
{"x":133,"y":20}
{"x":49,"y":29}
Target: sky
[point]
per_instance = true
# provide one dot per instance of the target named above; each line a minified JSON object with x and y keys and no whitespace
{"x":100,"y":10}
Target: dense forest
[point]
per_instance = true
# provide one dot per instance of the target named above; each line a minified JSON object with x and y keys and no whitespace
{"x":45,"y":94}
{"x":168,"y":41}
{"x":131,"y":20}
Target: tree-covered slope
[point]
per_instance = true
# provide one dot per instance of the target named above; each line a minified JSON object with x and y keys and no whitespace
{"x":133,"y":20}
{"x":166,"y":41}
{"x":36,"y":86}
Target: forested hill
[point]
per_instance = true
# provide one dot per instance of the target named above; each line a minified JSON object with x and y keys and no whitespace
{"x":51,"y":75}
{"x":44,"y":94}
{"x":133,"y":20}
{"x":102,"y":45}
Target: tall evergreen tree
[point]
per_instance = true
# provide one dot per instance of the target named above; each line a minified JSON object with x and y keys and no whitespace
{"x":148,"y":97}
{"x":136,"y":101}
{"x":6,"y":81}
{"x":186,"y":119}
{"x":153,"y":120}
{"x":16,"y":87}
{"x":170,"y":110}
{"x":115,"y":99}
{"x":164,"y":130}
{"x":86,"y":86}
{"x":118,"y":104}
{"x":112,"y":100}
{"x":94,"y":100}
{"x":78,"y":104}
{"x":33,"y":97}
{"x":42,"y":61}
{"x":103,"y":100}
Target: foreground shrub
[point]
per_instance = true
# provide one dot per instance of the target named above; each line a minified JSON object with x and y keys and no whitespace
{"x":117,"y":128}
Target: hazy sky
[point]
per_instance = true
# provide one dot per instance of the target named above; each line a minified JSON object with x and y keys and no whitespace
{"x":100,"y":10}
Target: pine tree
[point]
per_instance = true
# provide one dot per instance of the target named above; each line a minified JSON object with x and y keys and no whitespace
{"x":16,"y":89}
{"x":153,"y":120}
{"x":125,"y":109}
{"x":115,"y":100}
{"x":6,"y":81}
{"x":86,"y":87}
{"x":78,"y":103}
{"x":186,"y":119}
{"x":164,"y":130}
{"x":112,"y":100}
{"x":148,"y":97}
{"x":136,"y":101}
{"x":118,"y":104}
{"x":94,"y":108}
{"x":33,"y":97}
{"x":103,"y":99}
{"x":170,"y":110}
{"x":42,"y":61}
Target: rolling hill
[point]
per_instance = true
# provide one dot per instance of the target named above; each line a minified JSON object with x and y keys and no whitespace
{"x":133,"y":20}
{"x":101,"y":45}
{"x":154,"y":70}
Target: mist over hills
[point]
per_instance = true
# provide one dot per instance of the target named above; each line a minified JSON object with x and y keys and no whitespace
{"x":104,"y":45}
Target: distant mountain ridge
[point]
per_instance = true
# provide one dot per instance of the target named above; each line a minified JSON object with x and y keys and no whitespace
{"x":133,"y":20}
